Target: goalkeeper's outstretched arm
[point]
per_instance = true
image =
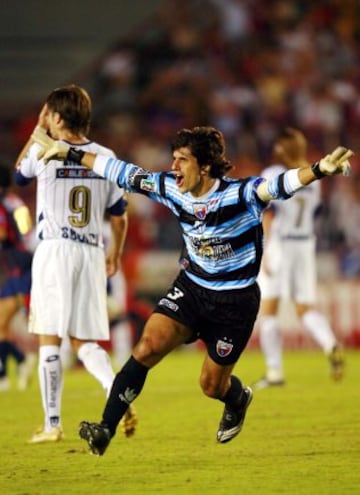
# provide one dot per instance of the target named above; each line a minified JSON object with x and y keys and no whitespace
{"x":335,"y":163}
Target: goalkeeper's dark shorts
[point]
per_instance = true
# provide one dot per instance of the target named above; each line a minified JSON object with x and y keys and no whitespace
{"x":223,"y":320}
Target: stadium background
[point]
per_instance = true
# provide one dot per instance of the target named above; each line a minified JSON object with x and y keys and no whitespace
{"x":246,"y":66}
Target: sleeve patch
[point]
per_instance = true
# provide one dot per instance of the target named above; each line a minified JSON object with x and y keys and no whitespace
{"x":147,"y":185}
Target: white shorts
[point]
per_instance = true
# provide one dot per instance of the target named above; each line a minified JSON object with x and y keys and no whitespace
{"x":294,"y":277}
{"x":68,"y":293}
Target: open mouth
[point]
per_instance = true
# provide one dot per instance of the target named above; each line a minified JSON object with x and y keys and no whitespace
{"x":179,"y":180}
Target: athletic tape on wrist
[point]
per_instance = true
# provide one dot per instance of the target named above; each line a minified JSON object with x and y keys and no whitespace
{"x":75,"y":155}
{"x":317,"y":172}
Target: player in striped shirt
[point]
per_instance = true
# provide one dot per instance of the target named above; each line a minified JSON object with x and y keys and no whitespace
{"x":215,"y":297}
{"x":69,"y":271}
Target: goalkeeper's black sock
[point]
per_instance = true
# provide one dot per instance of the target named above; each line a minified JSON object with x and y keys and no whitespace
{"x":233,"y":396}
{"x":127,"y":385}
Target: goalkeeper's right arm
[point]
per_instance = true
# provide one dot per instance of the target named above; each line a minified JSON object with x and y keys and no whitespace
{"x":58,"y":150}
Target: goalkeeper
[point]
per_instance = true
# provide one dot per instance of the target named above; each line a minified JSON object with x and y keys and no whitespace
{"x":215,"y":297}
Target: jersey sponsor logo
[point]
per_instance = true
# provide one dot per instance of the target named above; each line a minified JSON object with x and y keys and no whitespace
{"x":76,"y":173}
{"x":168,"y":304}
{"x":212,"y":248}
{"x":68,"y":233}
{"x":223,"y":348}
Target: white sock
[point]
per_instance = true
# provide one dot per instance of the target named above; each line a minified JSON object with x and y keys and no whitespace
{"x":318,"y":327}
{"x":97,"y":362}
{"x":51,"y":381}
{"x":121,"y":338}
{"x":271,"y":346}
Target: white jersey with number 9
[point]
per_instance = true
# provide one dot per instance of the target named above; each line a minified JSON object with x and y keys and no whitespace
{"x":68,"y":295}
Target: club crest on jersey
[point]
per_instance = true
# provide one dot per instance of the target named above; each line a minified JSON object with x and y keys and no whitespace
{"x":223,"y":348}
{"x":200,"y":210}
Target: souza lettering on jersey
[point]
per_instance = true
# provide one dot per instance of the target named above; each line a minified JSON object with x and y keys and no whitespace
{"x":76,"y":173}
{"x":68,"y":233}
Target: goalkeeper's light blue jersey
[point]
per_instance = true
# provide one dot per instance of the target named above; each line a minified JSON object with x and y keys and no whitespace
{"x":222,"y":231}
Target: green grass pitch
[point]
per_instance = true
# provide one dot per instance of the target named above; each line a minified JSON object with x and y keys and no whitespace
{"x":301,"y":439}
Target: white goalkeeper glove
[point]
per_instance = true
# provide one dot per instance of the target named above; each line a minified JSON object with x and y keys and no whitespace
{"x":51,"y":149}
{"x":335,"y":163}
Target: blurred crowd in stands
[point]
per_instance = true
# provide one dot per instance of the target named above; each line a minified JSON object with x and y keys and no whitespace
{"x":248,"y":67}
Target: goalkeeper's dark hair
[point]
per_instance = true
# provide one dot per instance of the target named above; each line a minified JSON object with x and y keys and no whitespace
{"x":73,"y":104}
{"x":207,"y":145}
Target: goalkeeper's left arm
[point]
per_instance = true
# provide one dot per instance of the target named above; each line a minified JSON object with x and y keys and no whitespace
{"x":291,"y":181}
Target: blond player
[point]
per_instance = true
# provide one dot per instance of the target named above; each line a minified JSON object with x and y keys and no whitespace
{"x":288,"y":269}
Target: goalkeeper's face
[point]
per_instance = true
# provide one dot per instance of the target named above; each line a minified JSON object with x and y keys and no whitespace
{"x":189,"y":176}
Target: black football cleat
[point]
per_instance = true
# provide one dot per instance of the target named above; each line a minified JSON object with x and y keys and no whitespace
{"x":96,"y":435}
{"x":232,"y":420}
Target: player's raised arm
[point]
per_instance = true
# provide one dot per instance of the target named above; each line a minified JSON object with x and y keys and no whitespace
{"x":288,"y":183}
